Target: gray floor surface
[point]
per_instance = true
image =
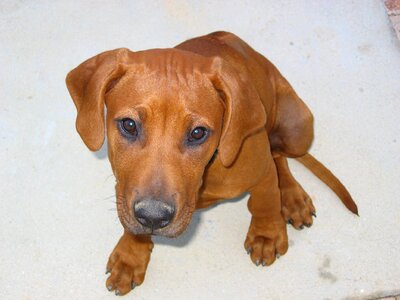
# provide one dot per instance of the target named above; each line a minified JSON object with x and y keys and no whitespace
{"x":58,"y":222}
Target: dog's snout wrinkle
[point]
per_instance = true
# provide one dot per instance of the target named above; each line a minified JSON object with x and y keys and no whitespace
{"x":153,"y":213}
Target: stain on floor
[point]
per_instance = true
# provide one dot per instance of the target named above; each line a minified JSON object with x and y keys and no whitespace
{"x":324,"y":272}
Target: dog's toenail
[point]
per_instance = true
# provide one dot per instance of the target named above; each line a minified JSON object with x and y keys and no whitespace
{"x":109,"y":287}
{"x":301,"y":226}
{"x":290,"y":221}
{"x":249,"y":250}
{"x":117,"y":292}
{"x":277,"y":256}
{"x":314,"y":214}
{"x":107,"y":271}
{"x":133,"y":285}
{"x":258,"y":262}
{"x":264,"y":263}
{"x":307,"y":225}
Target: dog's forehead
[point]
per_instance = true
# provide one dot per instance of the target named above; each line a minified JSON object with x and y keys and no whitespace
{"x":168,"y":78}
{"x":171,"y":60}
{"x":169,"y":71}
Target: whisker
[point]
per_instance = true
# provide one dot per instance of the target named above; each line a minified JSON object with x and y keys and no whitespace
{"x":108,"y":177}
{"x":106,"y":198}
{"x":109,"y":197}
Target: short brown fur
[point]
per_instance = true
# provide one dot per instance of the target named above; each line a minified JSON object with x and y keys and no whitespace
{"x":254,"y":118}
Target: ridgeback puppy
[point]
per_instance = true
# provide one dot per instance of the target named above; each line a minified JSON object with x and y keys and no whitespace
{"x":207,"y":120}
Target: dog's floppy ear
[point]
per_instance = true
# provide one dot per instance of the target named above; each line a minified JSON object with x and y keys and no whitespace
{"x":87,"y":85}
{"x":244,"y":112}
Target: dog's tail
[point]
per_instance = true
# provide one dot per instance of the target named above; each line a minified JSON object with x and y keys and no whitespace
{"x":329,"y":179}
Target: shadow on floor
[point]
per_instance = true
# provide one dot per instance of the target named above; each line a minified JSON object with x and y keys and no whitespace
{"x":186,"y":237}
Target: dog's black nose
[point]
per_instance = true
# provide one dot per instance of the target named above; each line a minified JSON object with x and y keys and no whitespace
{"x":153,"y":213}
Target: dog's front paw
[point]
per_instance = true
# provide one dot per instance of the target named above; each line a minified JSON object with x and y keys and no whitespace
{"x":128,"y":263}
{"x":266,"y":240}
{"x":297,"y":207}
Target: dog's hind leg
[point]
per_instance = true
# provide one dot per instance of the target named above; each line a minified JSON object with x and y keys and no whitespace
{"x":291,"y":136}
{"x":297,"y":207}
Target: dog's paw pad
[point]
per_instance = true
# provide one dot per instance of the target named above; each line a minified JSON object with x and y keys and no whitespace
{"x":126,"y":269}
{"x":124,"y":277}
{"x":266,"y":241}
{"x":128,"y":263}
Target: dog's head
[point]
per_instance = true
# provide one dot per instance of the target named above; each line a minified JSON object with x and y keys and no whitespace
{"x":168,"y":111}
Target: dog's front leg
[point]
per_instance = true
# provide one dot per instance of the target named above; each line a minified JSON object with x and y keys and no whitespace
{"x":128,"y":262}
{"x":267,"y":236}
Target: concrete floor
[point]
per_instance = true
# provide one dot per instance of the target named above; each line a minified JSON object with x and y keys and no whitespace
{"x":58,"y":222}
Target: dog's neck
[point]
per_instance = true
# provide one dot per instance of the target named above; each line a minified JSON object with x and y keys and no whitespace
{"x":213,"y":157}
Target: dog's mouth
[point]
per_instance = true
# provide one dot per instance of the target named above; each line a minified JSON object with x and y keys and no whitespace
{"x":136,"y":226}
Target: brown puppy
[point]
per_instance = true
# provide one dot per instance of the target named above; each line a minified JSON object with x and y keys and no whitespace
{"x":207,"y":120}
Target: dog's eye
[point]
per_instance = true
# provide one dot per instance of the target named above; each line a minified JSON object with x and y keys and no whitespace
{"x":129,"y":127}
{"x":197,"y":135}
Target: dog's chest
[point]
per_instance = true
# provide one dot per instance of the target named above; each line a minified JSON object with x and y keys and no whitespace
{"x":224,"y":183}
